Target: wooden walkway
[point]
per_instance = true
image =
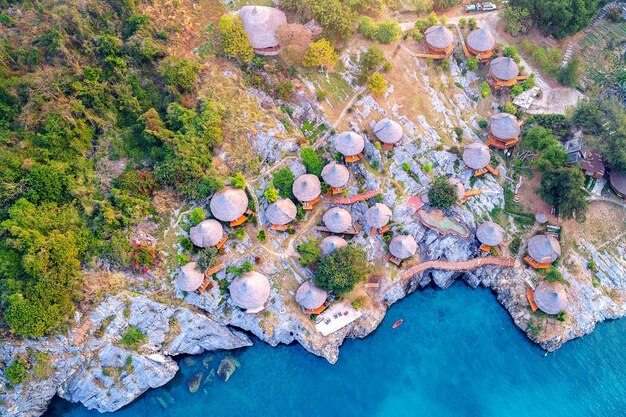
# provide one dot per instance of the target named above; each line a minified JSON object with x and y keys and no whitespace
{"x":354,"y":198}
{"x":468,"y":265}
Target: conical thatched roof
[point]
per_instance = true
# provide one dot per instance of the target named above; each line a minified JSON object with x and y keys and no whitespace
{"x":207,"y":233}
{"x":618,"y":182}
{"x":335,"y":175}
{"x":504,"y":68}
{"x":481,"y":40}
{"x":281,"y":212}
{"x":349,"y":143}
{"x":403,"y":246}
{"x":306,"y":187}
{"x":476,"y":155}
{"x":310,"y":296}
{"x":261,"y":23}
{"x":505,"y":126}
{"x":490,"y":233}
{"x":439,"y":37}
{"x":544,"y":248}
{"x":229,"y":204}
{"x":378,"y":215}
{"x":337,"y":220}
{"x":330,"y":244}
{"x":250,"y":291}
{"x":388,"y":131}
{"x":550,"y":297}
{"x":541,"y":218}
{"x":190,"y":277}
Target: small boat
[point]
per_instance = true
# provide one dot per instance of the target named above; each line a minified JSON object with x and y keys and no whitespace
{"x":399,"y":322}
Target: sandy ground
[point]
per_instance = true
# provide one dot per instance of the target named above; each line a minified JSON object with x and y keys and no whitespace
{"x":530,"y":200}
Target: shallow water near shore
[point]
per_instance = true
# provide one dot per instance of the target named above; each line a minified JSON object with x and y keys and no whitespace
{"x":457,"y":353}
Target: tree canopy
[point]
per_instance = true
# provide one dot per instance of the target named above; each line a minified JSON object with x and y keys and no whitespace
{"x":442,"y":194}
{"x":340,"y":271}
{"x":557,"y":17}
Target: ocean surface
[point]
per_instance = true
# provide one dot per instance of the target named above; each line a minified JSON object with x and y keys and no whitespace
{"x":457,"y":353}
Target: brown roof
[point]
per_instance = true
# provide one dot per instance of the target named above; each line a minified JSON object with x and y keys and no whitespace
{"x":544,"y":248}
{"x":337,"y":220}
{"x":618,"y":182}
{"x":490,"y":233}
{"x":505,"y":126}
{"x":310,"y":296}
{"x":550,"y":297}
{"x":481,"y":40}
{"x":592,"y":163}
{"x":306,"y":187}
{"x":504,"y":68}
{"x":250,"y":291}
{"x":439,"y":37}
{"x":281,"y":212}
{"x":229,"y":204}
{"x":349,"y":143}
{"x":403,"y":246}
{"x":476,"y":155}
{"x":207,"y":233}
{"x":378,"y":215}
{"x":335,"y":175}
{"x":388,"y":131}
{"x":190,"y":277}
{"x":261,"y":23}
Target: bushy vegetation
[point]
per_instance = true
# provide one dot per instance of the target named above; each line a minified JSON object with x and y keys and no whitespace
{"x":283,"y":181}
{"x":309,"y":252}
{"x":442,"y":194}
{"x":311,"y":160}
{"x":386,"y":32}
{"x":376,"y":84}
{"x":340,"y":271}
{"x":17,"y":371}
{"x":234,"y":40}
{"x":133,"y":338}
{"x":321,"y":54}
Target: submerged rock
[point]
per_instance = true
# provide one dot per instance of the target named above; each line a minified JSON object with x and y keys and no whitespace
{"x":210,"y":377}
{"x":193,"y":383}
{"x":207,"y":360}
{"x":189,"y":361}
{"x":227,"y":368}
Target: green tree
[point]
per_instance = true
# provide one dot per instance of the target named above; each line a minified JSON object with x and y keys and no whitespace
{"x":309,"y":252}
{"x":570,"y":74}
{"x":47,"y":183}
{"x":340,"y":271}
{"x":442,"y":194}
{"x":485,"y":90}
{"x":313,"y":163}
{"x":563,"y":188}
{"x":180,"y":73}
{"x":283,"y":180}
{"x":197,"y":215}
{"x":271,"y":194}
{"x":234,"y":40}
{"x":320,"y":54}
{"x":472,"y":64}
{"x":368,"y":27}
{"x":376,"y":84}
{"x":388,"y":31}
{"x":237,"y":180}
{"x":336,"y":17}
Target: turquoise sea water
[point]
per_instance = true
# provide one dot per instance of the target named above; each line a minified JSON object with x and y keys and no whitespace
{"x":457,"y":354}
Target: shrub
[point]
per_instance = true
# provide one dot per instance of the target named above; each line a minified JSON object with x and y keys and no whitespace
{"x":271,"y":194}
{"x":321,"y":54}
{"x":144,"y":256}
{"x":284,"y":90}
{"x":510,"y":108}
{"x":371,"y":59}
{"x":283,"y":180}
{"x":309,"y":252}
{"x":313,"y":163}
{"x":376,"y":84}
{"x":553,"y":275}
{"x":133,"y":338}
{"x":340,"y":271}
{"x":368,"y":27}
{"x":471,"y":23}
{"x":234,"y":40}
{"x":485,"y":90}
{"x":570,"y":74}
{"x":237,"y":180}
{"x":208,"y":258}
{"x":388,"y":31}
{"x":442,"y":194}
{"x":18,"y":370}
{"x":261,"y":236}
{"x":196,"y":215}
{"x":472,"y":64}
{"x":186,"y":243}
{"x":180,"y":73}
{"x":483,"y":123}
{"x":137,"y":183}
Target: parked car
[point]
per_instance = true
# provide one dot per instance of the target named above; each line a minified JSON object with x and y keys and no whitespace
{"x":481,"y":7}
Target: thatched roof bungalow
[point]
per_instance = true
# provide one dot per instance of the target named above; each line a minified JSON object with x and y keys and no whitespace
{"x":335,"y":175}
{"x":490,"y":234}
{"x":388,"y":132}
{"x":261,"y":24}
{"x":439,"y":40}
{"x":504,"y":72}
{"x":337,"y":220}
{"x":310,"y":296}
{"x":476,"y":156}
{"x":550,"y":297}
{"x":481,"y":43}
{"x":330,"y":244}
{"x":207,"y":233}
{"x":543,"y":250}
{"x":190,"y":277}
{"x":350,"y":145}
{"x":229,"y":204}
{"x":307,"y":189}
{"x":378,"y":216}
{"x":402,"y":247}
{"x":504,"y":131}
{"x":281,"y":212}
{"x":618,"y":182}
{"x":250,"y":291}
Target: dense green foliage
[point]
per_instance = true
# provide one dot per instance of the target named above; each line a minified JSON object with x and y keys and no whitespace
{"x":311,"y":160}
{"x":234,"y":40}
{"x":79,"y":86}
{"x":376,"y":84}
{"x":133,"y":338}
{"x":557,"y":17}
{"x":18,"y":370}
{"x":283,"y":181}
{"x":442,"y":194}
{"x":386,"y":32}
{"x":321,"y":54}
{"x":309,"y":252}
{"x":340,"y":271}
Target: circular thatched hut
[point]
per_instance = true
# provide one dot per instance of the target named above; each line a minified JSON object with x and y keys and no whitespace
{"x":378,"y":215}
{"x":337,"y":220}
{"x":550,"y":297}
{"x":330,"y":244}
{"x":229,"y":204}
{"x":541,"y":218}
{"x":310,"y":296}
{"x":618,"y":182}
{"x":250,"y":291}
{"x":190,"y":277}
{"x":207,"y":233}
{"x":403,"y":246}
{"x":503,"y":69}
{"x":261,"y":24}
{"x":349,"y":143}
{"x":481,"y":42}
{"x":388,"y":131}
{"x":505,"y":129}
{"x":544,"y":248}
{"x":281,"y":212}
{"x":476,"y":155}
{"x":335,"y":175}
{"x":490,"y":233}
{"x":306,"y":187}
{"x":439,"y":39}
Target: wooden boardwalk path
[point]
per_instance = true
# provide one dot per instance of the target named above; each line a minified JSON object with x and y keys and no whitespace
{"x":468,"y":265}
{"x":354,"y":198}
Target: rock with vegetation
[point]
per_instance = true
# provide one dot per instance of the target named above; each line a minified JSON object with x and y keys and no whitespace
{"x":227,"y":368}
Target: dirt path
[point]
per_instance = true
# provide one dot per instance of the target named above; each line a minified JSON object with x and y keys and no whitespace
{"x":342,"y":115}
